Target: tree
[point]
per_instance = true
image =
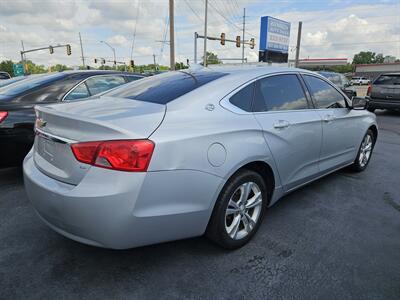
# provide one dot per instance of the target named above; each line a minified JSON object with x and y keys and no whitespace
{"x":59,"y":68}
{"x":180,"y":66}
{"x":212,"y":59}
{"x":368,"y":57}
{"x":7,"y":66}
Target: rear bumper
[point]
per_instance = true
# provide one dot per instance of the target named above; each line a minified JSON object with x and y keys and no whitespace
{"x":383,"y":104}
{"x":123,"y":210}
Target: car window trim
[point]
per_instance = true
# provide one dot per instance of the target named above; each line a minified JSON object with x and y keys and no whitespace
{"x":225,"y":103}
{"x":285,"y":110}
{"x":84,"y":81}
{"x":327,"y":81}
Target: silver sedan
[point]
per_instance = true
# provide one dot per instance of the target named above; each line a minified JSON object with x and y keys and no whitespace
{"x":188,"y":153}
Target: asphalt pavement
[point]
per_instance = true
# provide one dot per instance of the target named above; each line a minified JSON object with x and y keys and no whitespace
{"x":337,"y":238}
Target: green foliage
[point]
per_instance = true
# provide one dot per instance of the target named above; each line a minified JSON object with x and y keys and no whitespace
{"x":59,"y":68}
{"x":212,"y":59}
{"x":180,"y":66}
{"x":368,"y":57}
{"x":7,"y":66}
{"x":32,"y":68}
{"x":348,"y":68}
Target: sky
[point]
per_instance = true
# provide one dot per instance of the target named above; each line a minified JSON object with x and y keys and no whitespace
{"x":331,"y":28}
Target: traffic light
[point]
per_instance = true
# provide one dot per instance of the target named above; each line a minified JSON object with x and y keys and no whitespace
{"x":68,"y":49}
{"x":51,"y":49}
{"x":252,"y":43}
{"x":95,"y":60}
{"x":238,"y":41}
{"x":131,"y":63}
{"x":103,"y":61}
{"x":222,"y":38}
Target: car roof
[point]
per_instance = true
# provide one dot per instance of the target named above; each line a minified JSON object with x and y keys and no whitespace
{"x":99,"y":72}
{"x":394,"y":73}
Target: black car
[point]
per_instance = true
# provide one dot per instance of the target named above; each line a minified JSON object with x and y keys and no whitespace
{"x":17,"y":103}
{"x":341,"y":82}
{"x":4,"y":75}
{"x":384,"y":92}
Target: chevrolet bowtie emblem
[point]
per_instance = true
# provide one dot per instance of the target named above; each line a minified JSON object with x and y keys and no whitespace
{"x":40,"y":123}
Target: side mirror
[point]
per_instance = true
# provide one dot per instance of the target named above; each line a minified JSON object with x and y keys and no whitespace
{"x":359,"y":103}
{"x":350,"y":93}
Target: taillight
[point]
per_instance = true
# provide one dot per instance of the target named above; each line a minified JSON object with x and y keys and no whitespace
{"x":369,"y":90}
{"x":123,"y":155}
{"x":3,"y":115}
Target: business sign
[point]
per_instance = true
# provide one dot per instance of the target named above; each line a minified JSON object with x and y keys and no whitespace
{"x":18,"y":69}
{"x":274,"y":35}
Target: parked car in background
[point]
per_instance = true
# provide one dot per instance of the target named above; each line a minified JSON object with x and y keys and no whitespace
{"x":17,"y":100}
{"x":184,"y":153}
{"x":341,"y":82}
{"x":4,"y":75}
{"x":359,"y":81}
{"x":16,"y":79}
{"x":384,"y":92}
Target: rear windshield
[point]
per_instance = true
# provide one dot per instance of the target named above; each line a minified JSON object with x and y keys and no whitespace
{"x":30,"y":83}
{"x":165,"y":87}
{"x":388,"y":79}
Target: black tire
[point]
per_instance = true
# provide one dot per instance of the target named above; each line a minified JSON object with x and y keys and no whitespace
{"x":216,"y":229}
{"x":357,"y":166}
{"x":371,"y":109}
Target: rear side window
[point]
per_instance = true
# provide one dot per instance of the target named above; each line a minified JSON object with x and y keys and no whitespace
{"x":79,"y":92}
{"x":325,"y":95}
{"x":280,"y":92}
{"x":165,"y":87}
{"x":99,"y":84}
{"x":243,"y":98}
{"x":388,"y":80}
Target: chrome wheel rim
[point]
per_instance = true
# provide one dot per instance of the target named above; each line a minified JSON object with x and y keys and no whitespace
{"x":243,"y":210}
{"x":365,"y":150}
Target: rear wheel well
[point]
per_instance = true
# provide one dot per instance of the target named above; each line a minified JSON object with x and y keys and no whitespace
{"x":266,"y":172}
{"x":374,"y":131}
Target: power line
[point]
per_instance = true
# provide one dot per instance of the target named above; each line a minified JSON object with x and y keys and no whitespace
{"x":191,"y":8}
{"x":229,"y":21}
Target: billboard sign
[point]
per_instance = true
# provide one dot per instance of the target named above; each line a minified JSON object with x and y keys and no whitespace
{"x":274,"y":35}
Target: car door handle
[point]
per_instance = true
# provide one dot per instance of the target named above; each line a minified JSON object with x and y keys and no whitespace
{"x":329,"y":118}
{"x":280,"y":124}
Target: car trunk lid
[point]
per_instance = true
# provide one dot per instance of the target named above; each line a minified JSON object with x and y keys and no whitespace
{"x":59,"y":126}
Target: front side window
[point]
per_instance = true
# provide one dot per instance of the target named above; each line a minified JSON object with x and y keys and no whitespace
{"x":78,"y":92}
{"x":325,"y":95}
{"x":243,"y":98}
{"x":99,"y":84}
{"x":280,"y":92}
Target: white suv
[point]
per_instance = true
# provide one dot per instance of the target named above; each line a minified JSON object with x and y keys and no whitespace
{"x":360,"y":80}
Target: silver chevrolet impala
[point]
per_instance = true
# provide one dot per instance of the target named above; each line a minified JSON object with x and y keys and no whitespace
{"x":191,"y":152}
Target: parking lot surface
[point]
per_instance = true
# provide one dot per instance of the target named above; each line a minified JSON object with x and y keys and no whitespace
{"x":337,"y":238}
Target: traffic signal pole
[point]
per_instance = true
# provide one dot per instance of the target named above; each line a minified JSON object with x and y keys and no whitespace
{"x":244,"y":25}
{"x":205,"y":34}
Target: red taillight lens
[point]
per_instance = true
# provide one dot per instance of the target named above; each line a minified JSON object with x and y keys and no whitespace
{"x":3,"y":115}
{"x":369,"y":90}
{"x":123,"y":155}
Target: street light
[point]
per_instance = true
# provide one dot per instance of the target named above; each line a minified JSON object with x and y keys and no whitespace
{"x":115,"y":59}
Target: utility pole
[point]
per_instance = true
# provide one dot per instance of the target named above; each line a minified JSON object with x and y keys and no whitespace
{"x":83,"y":58}
{"x":171,"y":35}
{"x":244,"y":26}
{"x":195,"y":47}
{"x":296,"y":64}
{"x":23,"y":57}
{"x":205,"y":33}
{"x":154,"y":60}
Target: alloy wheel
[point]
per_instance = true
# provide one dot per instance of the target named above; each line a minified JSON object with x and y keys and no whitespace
{"x":243,"y":210}
{"x":365,"y":150}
